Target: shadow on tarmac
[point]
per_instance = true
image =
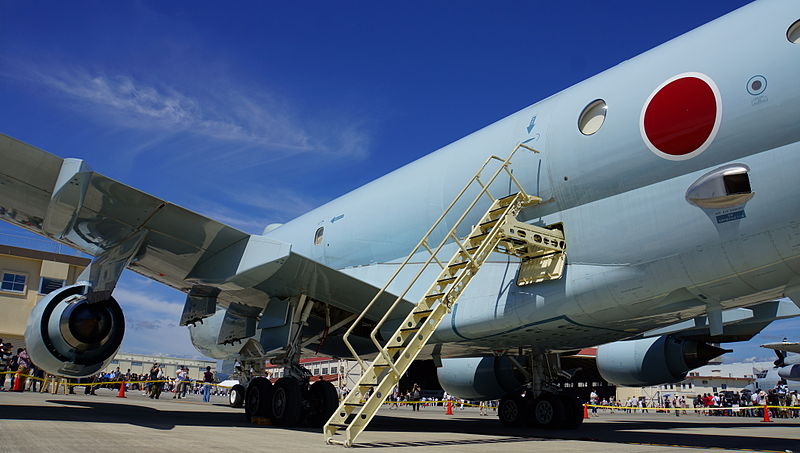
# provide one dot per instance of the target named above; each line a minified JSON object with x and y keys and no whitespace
{"x":727,"y":435}
{"x":103,"y":412}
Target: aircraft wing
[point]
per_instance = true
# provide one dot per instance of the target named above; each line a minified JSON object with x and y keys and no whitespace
{"x":783,"y":346}
{"x":64,"y":200}
{"x":740,"y":324}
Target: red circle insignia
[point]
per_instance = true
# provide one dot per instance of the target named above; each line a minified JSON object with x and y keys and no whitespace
{"x":681,"y":116}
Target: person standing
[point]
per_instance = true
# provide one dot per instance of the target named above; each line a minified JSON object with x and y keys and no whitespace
{"x":23,"y":366}
{"x":416,"y":394}
{"x":180,"y":383}
{"x":5,"y":355}
{"x":153,"y":386}
{"x":185,"y":380}
{"x":208,"y":378}
{"x":593,"y":399}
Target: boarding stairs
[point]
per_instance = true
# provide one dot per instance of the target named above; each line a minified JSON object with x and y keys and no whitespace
{"x":541,"y":249}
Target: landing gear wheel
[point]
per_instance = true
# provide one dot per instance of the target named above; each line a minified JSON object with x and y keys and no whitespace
{"x":236,"y":396}
{"x":323,"y":400}
{"x":287,"y":402}
{"x":511,"y":410}
{"x":258,"y":398}
{"x":573,"y":412}
{"x":548,"y":411}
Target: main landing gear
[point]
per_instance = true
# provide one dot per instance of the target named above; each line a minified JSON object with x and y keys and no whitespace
{"x":548,"y":410}
{"x":540,"y":405}
{"x":290,"y":401}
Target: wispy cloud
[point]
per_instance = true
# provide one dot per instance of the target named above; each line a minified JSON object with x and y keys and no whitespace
{"x":251,"y":208}
{"x":249,"y":119}
{"x":147,"y":302}
{"x":152,"y":313}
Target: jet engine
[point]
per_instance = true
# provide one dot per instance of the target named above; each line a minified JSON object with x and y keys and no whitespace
{"x":480,"y":378}
{"x":653,"y":361}
{"x":69,"y":335}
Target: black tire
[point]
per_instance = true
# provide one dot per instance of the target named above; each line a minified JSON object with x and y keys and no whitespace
{"x":323,"y":400}
{"x":547,"y":411}
{"x":287,"y":402}
{"x":573,"y":412}
{"x":236,"y":396}
{"x":512,"y":410}
{"x":258,"y":399}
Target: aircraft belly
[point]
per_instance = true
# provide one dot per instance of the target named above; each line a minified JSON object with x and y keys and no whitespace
{"x":787,"y":241}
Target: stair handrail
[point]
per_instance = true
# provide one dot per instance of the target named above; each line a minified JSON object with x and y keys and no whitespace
{"x":433,"y":254}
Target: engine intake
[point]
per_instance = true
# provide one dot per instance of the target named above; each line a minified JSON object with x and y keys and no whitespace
{"x":70,"y":336}
{"x":653,"y":361}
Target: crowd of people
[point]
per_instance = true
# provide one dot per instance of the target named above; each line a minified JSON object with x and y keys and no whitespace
{"x":744,"y":403}
{"x":416,"y":399}
{"x":17,"y":366}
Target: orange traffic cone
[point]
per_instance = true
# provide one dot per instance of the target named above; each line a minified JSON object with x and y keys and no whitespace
{"x":449,"y":408}
{"x":122,"y":390}
{"x":585,"y":411}
{"x":766,"y":415}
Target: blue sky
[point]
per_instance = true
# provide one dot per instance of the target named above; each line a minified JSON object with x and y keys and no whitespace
{"x":256,"y":112}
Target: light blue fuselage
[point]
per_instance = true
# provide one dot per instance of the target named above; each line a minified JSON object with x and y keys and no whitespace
{"x":636,"y":247}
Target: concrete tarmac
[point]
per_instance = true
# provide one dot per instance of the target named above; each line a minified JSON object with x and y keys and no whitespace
{"x":35,"y":422}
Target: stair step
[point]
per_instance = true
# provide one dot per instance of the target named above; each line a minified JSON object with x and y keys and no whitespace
{"x":490,"y":222}
{"x":409,"y":329}
{"x":506,"y":198}
{"x":367,"y":385}
{"x":434,"y":296}
{"x":338,"y":425}
{"x":478,"y":236}
{"x":423,"y":312}
{"x":497,"y":210}
{"x":380,"y":365}
{"x":396,"y":347}
{"x":448,"y":279}
{"x":353,"y":404}
{"x":458,"y":265}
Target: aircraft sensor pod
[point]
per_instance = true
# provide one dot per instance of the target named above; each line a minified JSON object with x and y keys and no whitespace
{"x":724,"y":187}
{"x":681,"y":117}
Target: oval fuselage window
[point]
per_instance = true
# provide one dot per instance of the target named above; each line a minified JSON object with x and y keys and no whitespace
{"x":793,"y":33}
{"x":592,"y":117}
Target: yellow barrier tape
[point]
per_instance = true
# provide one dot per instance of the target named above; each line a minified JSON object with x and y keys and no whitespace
{"x":28,"y":376}
{"x":455,"y":403}
{"x":717,"y":408}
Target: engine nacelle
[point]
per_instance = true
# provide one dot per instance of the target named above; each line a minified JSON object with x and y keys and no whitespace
{"x":652,"y":361}
{"x":790,"y":372}
{"x":205,"y":337}
{"x":480,"y":378}
{"x":68,"y":335}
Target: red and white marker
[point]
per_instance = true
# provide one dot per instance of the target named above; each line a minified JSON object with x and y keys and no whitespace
{"x":681,"y":117}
